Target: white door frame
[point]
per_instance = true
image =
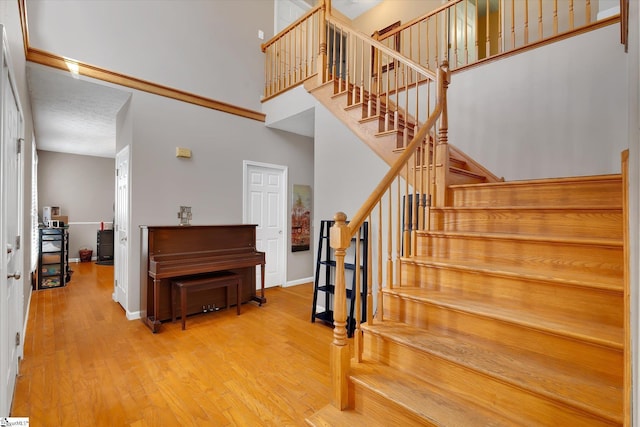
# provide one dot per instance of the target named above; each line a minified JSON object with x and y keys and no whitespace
{"x":122,"y":230}
{"x":12,"y":317}
{"x":283,"y":170}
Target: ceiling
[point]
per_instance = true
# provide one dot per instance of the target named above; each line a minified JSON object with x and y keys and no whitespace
{"x":353,"y":8}
{"x":77,"y":116}
{"x":71,"y":115}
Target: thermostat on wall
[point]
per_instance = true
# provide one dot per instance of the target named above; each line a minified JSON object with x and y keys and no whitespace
{"x":183,"y":152}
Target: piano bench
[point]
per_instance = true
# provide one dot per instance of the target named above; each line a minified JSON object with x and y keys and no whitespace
{"x":223,"y":279}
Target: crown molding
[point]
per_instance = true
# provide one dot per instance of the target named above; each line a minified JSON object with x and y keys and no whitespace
{"x":53,"y":60}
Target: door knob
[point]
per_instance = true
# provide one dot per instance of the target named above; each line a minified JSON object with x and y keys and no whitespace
{"x":14,"y":276}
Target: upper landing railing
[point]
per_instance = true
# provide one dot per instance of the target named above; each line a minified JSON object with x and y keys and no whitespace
{"x":465,"y":32}
{"x":291,"y":56}
{"x":462,"y":32}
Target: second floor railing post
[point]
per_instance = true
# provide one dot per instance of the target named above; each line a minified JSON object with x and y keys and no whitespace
{"x":442,"y":148}
{"x":321,"y":64}
{"x":340,"y":353}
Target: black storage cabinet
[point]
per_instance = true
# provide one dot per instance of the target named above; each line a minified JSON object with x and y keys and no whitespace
{"x":53,"y":259}
{"x":105,"y":247}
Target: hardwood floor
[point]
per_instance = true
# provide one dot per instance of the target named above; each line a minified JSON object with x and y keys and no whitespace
{"x":86,"y":364}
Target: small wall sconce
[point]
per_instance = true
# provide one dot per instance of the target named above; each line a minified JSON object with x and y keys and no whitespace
{"x":185,"y":215}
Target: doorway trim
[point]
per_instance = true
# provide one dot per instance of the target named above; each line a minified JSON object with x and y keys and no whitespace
{"x":121,"y":260}
{"x":283,"y":200}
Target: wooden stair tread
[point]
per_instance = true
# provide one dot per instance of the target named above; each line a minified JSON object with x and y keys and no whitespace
{"x":557,"y":381}
{"x":544,"y":181}
{"x":467,"y":173}
{"x":551,"y":322}
{"x":528,"y":208}
{"x":605,"y":190}
{"x":575,"y":278}
{"x":591,"y":241}
{"x":558,"y":221}
{"x":422,"y":398}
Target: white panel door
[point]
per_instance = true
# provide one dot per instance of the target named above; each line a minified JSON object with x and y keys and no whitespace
{"x":264,"y":206}
{"x":121,"y":232}
{"x":463,"y":30}
{"x":11,"y":287}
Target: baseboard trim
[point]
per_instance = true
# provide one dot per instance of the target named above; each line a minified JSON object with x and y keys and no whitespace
{"x":134,"y":315}
{"x":78,"y":259}
{"x":24,"y":329}
{"x":299,"y":282}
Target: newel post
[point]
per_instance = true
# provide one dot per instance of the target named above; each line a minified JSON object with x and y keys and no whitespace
{"x":442,"y":147}
{"x":321,"y":64}
{"x":340,"y":353}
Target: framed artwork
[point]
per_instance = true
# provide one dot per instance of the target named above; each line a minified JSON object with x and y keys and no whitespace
{"x":396,"y":45}
{"x":301,"y":218}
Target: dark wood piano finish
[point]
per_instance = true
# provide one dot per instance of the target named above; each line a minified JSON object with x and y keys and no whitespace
{"x":169,"y":252}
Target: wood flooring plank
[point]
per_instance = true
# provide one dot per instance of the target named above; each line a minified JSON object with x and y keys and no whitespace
{"x":86,"y":364}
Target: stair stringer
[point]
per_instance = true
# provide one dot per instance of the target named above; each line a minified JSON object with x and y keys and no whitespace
{"x":351,"y":116}
{"x":464,"y":169}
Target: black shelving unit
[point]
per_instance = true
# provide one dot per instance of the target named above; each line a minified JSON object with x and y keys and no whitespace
{"x":53,"y":259}
{"x":325,"y":276}
{"x":105,"y":247}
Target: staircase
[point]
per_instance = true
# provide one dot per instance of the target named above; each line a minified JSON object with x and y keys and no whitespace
{"x":373,"y":128}
{"x":511,"y":313}
{"x":502,"y":304}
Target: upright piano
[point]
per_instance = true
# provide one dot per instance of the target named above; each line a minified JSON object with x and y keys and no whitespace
{"x":169,"y":252}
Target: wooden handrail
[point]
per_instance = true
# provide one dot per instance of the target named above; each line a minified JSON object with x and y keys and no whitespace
{"x":342,"y":233}
{"x":294,"y":54}
{"x":289,"y":27}
{"x":299,"y":51}
{"x":493,"y":43}
{"x":414,"y":21}
{"x":360,"y":216}
{"x":384,"y":49}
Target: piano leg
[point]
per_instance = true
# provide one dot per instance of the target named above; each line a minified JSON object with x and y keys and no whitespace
{"x":154,"y":323}
{"x":261,"y":299}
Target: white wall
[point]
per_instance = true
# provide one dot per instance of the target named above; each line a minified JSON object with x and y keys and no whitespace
{"x":555,"y":111}
{"x":210,"y":48}
{"x":347,"y":170}
{"x":211,"y":181}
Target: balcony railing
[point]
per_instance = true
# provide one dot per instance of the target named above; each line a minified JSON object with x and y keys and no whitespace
{"x":465,"y":32}
{"x":291,"y":56}
{"x":462,"y":32}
